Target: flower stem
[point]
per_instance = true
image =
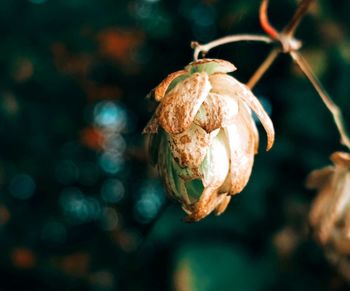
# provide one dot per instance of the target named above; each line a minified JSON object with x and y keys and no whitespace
{"x":297,"y":17}
{"x":205,"y":48}
{"x":263,"y":68}
{"x":331,"y":106}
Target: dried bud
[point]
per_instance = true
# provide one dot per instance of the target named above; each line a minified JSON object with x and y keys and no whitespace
{"x":202,"y":136}
{"x":330,"y":211}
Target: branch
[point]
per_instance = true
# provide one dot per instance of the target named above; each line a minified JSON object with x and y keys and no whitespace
{"x":331,"y":106}
{"x":286,"y":37}
{"x":297,"y":17}
{"x":263,"y":68}
{"x":205,"y":48}
{"x":264,"y":20}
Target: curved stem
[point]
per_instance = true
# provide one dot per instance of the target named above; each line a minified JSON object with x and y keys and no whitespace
{"x":205,"y":48}
{"x":264,"y":20}
{"x":263,"y":68}
{"x":331,"y":106}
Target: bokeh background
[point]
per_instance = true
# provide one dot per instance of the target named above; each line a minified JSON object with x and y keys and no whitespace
{"x":81,"y":209}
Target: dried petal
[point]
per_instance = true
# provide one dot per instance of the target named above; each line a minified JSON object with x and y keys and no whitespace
{"x":247,"y":115}
{"x":318,"y":178}
{"x":226,"y":85}
{"x":190,"y":147}
{"x":163,"y":87}
{"x":207,"y":202}
{"x":216,"y":111}
{"x":180,"y":105}
{"x":223,"y":204}
{"x":241,"y":141}
{"x":152,"y":125}
{"x":341,"y":159}
{"x":211,"y":66}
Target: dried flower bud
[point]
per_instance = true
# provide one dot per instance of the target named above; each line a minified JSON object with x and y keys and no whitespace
{"x":202,"y":136}
{"x":330,"y":211}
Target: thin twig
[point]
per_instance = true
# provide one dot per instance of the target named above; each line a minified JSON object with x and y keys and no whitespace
{"x":332,"y":107}
{"x":264,"y":20}
{"x":297,"y":17}
{"x":205,"y":48}
{"x":263,"y":68}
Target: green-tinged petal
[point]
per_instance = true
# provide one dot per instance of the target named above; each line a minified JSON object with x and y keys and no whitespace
{"x":210,"y":66}
{"x":175,"y":185}
{"x":216,"y":111}
{"x":179,"y":107}
{"x":227,"y":85}
{"x":215,"y":166}
{"x":190,"y":147}
{"x":185,"y":173}
{"x":194,"y":189}
{"x":153,"y":142}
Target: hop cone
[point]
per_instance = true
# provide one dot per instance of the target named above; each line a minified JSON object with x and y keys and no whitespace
{"x":330,"y":211}
{"x":202,"y":136}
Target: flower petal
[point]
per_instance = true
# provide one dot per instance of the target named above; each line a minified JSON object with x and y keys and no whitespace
{"x":223,"y":204}
{"x":152,"y":125}
{"x":215,"y":166}
{"x":227,"y":85}
{"x":246,"y":114}
{"x":216,"y":111}
{"x":211,"y":66}
{"x":174,"y":184}
{"x":179,"y":107}
{"x":163,"y":87}
{"x":190,"y":147}
{"x":241,"y":141}
{"x":318,"y":178}
{"x":341,"y":159}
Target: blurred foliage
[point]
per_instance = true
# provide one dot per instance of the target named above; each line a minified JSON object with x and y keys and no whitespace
{"x":80,"y":209}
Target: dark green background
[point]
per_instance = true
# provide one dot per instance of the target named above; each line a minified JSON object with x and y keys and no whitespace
{"x":78,"y":216}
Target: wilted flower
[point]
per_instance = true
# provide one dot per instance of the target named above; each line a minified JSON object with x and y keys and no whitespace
{"x":202,"y":136}
{"x":330,"y":211}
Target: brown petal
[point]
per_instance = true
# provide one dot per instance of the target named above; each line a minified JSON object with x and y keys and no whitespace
{"x":190,"y":147}
{"x":180,"y":105}
{"x":205,"y":205}
{"x":216,"y":111}
{"x":161,"y":89}
{"x":341,"y":159}
{"x":152,"y":125}
{"x":329,"y":206}
{"x":227,"y":85}
{"x":247,"y":115}
{"x":223,"y":204}
{"x":318,"y":178}
{"x":211,"y":66}
{"x":241,"y":142}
